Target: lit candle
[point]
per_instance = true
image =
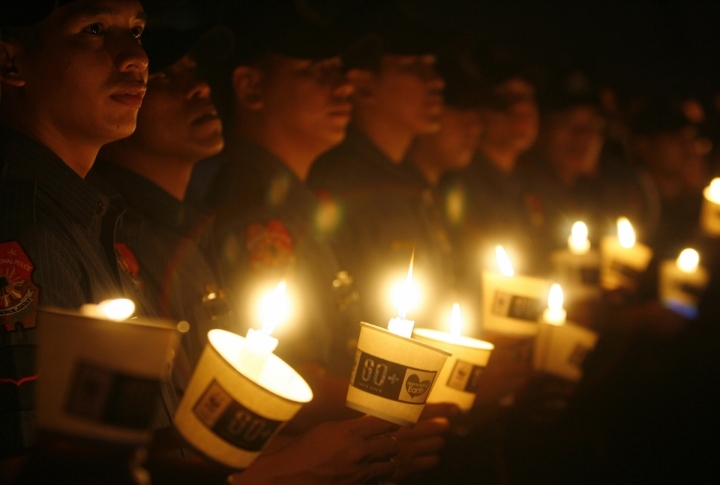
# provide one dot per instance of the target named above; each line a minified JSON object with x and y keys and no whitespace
{"x":118,"y":309}
{"x":512,"y":304}
{"x":459,"y":379}
{"x":578,"y":267}
{"x":578,"y":242}
{"x":405,"y":296}
{"x":682,"y":282}
{"x":710,"y":214}
{"x":623,"y":258}
{"x":555,"y":314}
{"x":274,"y":308}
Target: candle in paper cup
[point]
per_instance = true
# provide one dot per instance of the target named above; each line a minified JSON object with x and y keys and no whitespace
{"x":512,"y":304}
{"x":405,"y":296}
{"x":623,"y":258}
{"x":229,"y":415}
{"x":99,"y":376}
{"x":561,"y":346}
{"x":393,"y":375}
{"x":578,"y":267}
{"x":710,"y":213}
{"x":682,"y":282}
{"x":459,"y":378}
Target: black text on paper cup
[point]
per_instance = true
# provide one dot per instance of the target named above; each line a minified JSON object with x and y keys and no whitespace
{"x":465,"y":376}
{"x":105,"y":396}
{"x":624,"y":270}
{"x":390,"y":380}
{"x":231,"y":421}
{"x":518,"y":307}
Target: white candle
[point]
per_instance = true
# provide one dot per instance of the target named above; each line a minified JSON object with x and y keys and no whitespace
{"x":118,"y":309}
{"x":554,"y":313}
{"x":274,"y":308}
{"x":578,"y":242}
{"x":624,"y":259}
{"x":682,"y":282}
{"x":710,"y":214}
{"x":405,"y":296}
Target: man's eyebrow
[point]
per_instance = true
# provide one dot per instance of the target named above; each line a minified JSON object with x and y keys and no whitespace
{"x":89,"y":10}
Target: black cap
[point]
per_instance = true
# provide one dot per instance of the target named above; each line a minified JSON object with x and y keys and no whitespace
{"x":166,"y":46}
{"x":463,"y":79}
{"x":571,"y":89}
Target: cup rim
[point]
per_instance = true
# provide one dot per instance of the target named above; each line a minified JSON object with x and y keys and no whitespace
{"x":417,"y":342}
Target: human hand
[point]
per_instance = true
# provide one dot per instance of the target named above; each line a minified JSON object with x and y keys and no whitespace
{"x":507,"y":372}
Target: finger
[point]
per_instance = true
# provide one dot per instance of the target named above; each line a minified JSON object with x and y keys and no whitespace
{"x":424,"y":429}
{"x":428,"y":446}
{"x":369,"y":426}
{"x":381,"y":449}
{"x":437,"y":410}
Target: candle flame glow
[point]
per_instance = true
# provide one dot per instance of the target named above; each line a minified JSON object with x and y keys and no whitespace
{"x":274,"y":308}
{"x":503,"y":262}
{"x":578,"y":241}
{"x":406,"y":294}
{"x":714,"y":190}
{"x":118,"y":309}
{"x":555,"y":298}
{"x":456,"y":322}
{"x":626,"y":233}
{"x":688,"y":260}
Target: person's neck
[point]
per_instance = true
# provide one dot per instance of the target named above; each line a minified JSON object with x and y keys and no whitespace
{"x":391,"y":138}
{"x":295,"y":152}
{"x":77,"y":154}
{"x":424,"y":160}
{"x":169,"y":173}
{"x":503,"y":158}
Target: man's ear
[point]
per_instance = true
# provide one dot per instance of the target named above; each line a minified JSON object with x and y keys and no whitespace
{"x":363,"y":82}
{"x":247,"y":85}
{"x":9,"y":72}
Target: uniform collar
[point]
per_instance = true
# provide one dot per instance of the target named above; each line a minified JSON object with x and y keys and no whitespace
{"x":85,"y":200}
{"x":148,"y":198}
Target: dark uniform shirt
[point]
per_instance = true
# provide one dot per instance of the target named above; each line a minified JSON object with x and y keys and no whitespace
{"x":387,"y":211}
{"x":271,"y":227}
{"x":56,"y":249}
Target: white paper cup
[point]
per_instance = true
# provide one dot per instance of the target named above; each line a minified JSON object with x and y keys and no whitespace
{"x":681,"y":290}
{"x":710,"y":215}
{"x":578,"y":274}
{"x":100,"y":378}
{"x":458,"y":380}
{"x":230,"y":417}
{"x":622,"y":267}
{"x":393,"y":376}
{"x":560,"y":350}
{"x":512,"y":305}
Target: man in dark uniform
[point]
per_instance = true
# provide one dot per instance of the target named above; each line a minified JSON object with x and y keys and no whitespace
{"x":73,"y":78}
{"x":398,"y":95}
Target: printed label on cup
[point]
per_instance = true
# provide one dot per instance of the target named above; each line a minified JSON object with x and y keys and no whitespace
{"x":465,"y":376}
{"x":108,"y":397}
{"x":577,"y":356}
{"x":518,"y":307}
{"x":232,"y":422}
{"x":624,"y":270}
{"x":390,"y":380}
{"x":689,"y":289}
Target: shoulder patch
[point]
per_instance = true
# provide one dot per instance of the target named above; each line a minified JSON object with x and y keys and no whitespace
{"x":129,"y":264}
{"x":18,"y":294}
{"x":270,"y":247}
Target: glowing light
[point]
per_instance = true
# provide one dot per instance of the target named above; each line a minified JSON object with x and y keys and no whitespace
{"x":578,"y":242}
{"x":118,"y":309}
{"x":406,"y":294}
{"x":503,"y":262}
{"x":274,"y":308}
{"x":626,"y":233}
{"x":456,"y":321}
{"x":713,"y":193}
{"x":555,"y":313}
{"x":688,"y":260}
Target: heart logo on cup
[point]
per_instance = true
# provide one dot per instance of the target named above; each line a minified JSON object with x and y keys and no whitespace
{"x":416,"y":388}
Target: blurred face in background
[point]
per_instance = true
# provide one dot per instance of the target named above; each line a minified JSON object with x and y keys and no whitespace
{"x":571,"y":141}
{"x":454,"y":145}
{"x":511,"y":121}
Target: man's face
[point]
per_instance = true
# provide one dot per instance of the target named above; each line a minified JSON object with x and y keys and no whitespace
{"x":85,"y":78}
{"x":177,"y":118}
{"x":310,"y":100}
{"x":454,"y":145}
{"x":572,"y":140}
{"x":408,"y":91}
{"x":513,"y":123}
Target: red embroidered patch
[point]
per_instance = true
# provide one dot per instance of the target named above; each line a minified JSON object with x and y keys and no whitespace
{"x":18,"y":294}
{"x":270,"y":247}
{"x":129,"y":264}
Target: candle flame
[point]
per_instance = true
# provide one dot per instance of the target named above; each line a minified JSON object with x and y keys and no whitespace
{"x":406,"y":294}
{"x":503,"y":261}
{"x":118,"y":309}
{"x":274,"y":308}
{"x":456,"y":322}
{"x":714,"y":190}
{"x":578,"y":241}
{"x":555,"y":298}
{"x":688,"y":260}
{"x":626,"y":233}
